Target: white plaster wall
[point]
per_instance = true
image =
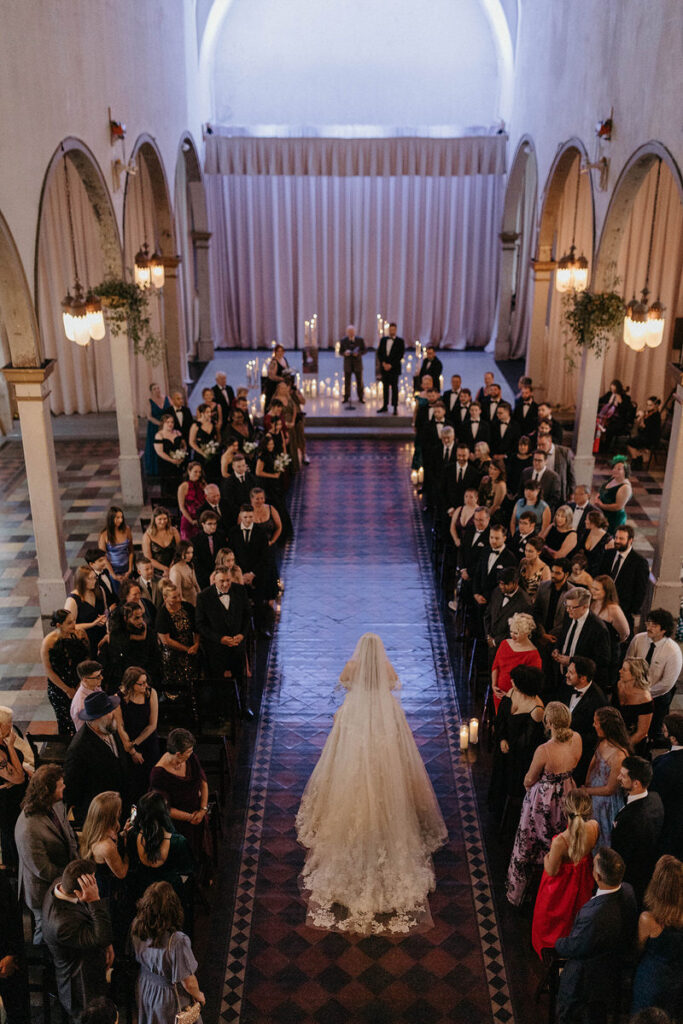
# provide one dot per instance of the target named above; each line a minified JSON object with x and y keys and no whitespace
{"x":325,"y":62}
{"x":62,"y":63}
{"x":576,"y":59}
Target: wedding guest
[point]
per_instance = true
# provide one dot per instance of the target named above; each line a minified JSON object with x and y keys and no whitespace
{"x":469,"y":427}
{"x":634,"y":701}
{"x":485,"y":390}
{"x":595,"y":540}
{"x":534,"y":503}
{"x":103,"y":843}
{"x":206,"y":546}
{"x":481,"y":459}
{"x":583,"y":697}
{"x":190,"y":500}
{"x":567,"y":880}
{"x":560,"y":461}
{"x":526,"y":409}
{"x":179,"y":775}
{"x":250,"y":545}
{"x":605,"y":604}
{"x":179,"y":641}
{"x":222,"y":622}
{"x":137,"y":717}
{"x":505,"y":432}
{"x":493,"y":489}
{"x":157,"y":404}
{"x":667,"y":780}
{"x":149,"y":587}
{"x":182,"y":416}
{"x":205,"y":443}
{"x":602,"y":777}
{"x":547,"y":782}
{"x":171,"y":453}
{"x":90,"y":677}
{"x":579,"y":576}
{"x":451,"y":398}
{"x":182,"y":572}
{"x":526,"y":528}
{"x":615,"y":494}
{"x":231,"y":449}
{"x":506,"y":601}
{"x":135,"y":644}
{"x":160,"y":541}
{"x":86,"y":604}
{"x":209,"y":398}
{"x":117,"y":540}
{"x":518,"y":731}
{"x":461,"y":517}
{"x":629,"y":570}
{"x":548,"y":481}
{"x":491,"y":564}
{"x":223,"y":395}
{"x":580,"y":506}
{"x":658,"y":980}
{"x":96,"y":758}
{"x":236,"y":487}
{"x":13,"y":782}
{"x":534,"y":570}
{"x":657,"y":646}
{"x":44,"y":837}
{"x":518,"y":650}
{"x":62,"y":650}
{"x":638,"y":826}
{"x":432,"y":365}
{"x":582,"y":633}
{"x":545,"y":414}
{"x":561,"y":538}
{"x":159,"y":853}
{"x":225,"y":559}
{"x":550,"y":601}
{"x":648,"y":433}
{"x":516,"y":464}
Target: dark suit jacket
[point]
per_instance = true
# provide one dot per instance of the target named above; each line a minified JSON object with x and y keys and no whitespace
{"x":236,"y":494}
{"x":550,"y":486}
{"x":221,"y":400}
{"x":77,"y":935}
{"x":251,"y":557}
{"x":224,"y":513}
{"x":517,"y":543}
{"x":463,"y":432}
{"x":527,"y":423}
{"x":486,"y":582}
{"x":631,"y":583}
{"x":582,"y":528}
{"x":564,"y":467}
{"x":582,"y":722}
{"x":397,"y":350}
{"x":90,"y":768}
{"x":214,"y":621}
{"x":45,"y":848}
{"x":593,"y":642}
{"x":486,"y":412}
{"x":204,"y":561}
{"x":188,"y":420}
{"x":667,"y":781}
{"x":448,"y":397}
{"x":506,"y":445}
{"x":603,"y":932}
{"x":433,"y":368}
{"x":497,"y":616}
{"x":454,"y":492}
{"x":542,"y":605}
{"x":472,"y":551}
{"x":635,"y":835}
{"x":459,"y":417}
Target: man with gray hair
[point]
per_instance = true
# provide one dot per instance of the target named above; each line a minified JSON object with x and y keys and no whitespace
{"x":583,"y":634}
{"x":352,"y":348}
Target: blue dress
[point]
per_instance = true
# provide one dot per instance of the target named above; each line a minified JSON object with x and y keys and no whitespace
{"x":658,"y":980}
{"x":161,"y":969}
{"x":151,"y":461}
{"x":118,"y":555}
{"x":605,"y":808}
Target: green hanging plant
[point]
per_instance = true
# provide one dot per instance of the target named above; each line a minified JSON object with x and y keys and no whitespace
{"x":591,"y":321}
{"x":126,"y":310}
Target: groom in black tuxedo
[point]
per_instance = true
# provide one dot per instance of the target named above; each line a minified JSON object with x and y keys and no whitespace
{"x":390,"y":356}
{"x":222,"y":618}
{"x":583,"y":697}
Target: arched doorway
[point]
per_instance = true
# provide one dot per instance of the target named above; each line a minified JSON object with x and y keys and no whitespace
{"x":517,"y":238}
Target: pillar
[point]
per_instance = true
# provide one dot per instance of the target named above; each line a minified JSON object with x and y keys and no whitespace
{"x":176,"y":349}
{"x":203,"y":283}
{"x":32,"y":390}
{"x":126,"y":421}
{"x":587,"y":398}
{"x":509,"y":240}
{"x":669,"y":547}
{"x":542,"y":270}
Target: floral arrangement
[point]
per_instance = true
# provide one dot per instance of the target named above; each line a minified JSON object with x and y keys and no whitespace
{"x":178,"y":454}
{"x":126,"y":310}
{"x":281,"y":462}
{"x":249,"y":447}
{"x":209,"y":449}
{"x":591,"y":320}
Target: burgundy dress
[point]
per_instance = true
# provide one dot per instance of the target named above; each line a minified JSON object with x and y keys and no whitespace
{"x":184,"y":793}
{"x":194,"y":499}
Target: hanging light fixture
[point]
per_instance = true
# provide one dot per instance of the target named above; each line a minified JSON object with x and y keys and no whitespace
{"x":82,"y":317}
{"x":572,"y":270}
{"x":143,"y":274}
{"x":149,"y":270}
{"x":643,"y":324}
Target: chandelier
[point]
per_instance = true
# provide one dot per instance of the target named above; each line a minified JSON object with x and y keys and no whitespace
{"x":571,"y":274}
{"x":643,"y":324}
{"x":149,"y":270}
{"x":82,"y":315}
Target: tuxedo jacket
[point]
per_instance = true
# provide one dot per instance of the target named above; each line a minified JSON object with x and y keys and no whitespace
{"x":397,"y":351}
{"x":251,"y":556}
{"x":582,"y":527}
{"x":488,"y":412}
{"x":593,"y":642}
{"x":214,"y":621}
{"x":224,"y":402}
{"x":517,"y":543}
{"x":603,"y":932}
{"x":631,"y":583}
{"x":507,"y":444}
{"x":453,"y":491}
{"x":91,"y":767}
{"x":635,"y":836}
{"x":486,"y":580}
{"x":433,"y":451}
{"x":451,"y":399}
{"x":433,"y":367}
{"x":472,"y":550}
{"x":460,"y":415}
{"x":236,"y":494}
{"x":667,"y":781}
{"x":466,"y":435}
{"x":184,"y":427}
{"x":542,"y":605}
{"x":497,"y":615}
{"x":550,"y":486}
{"x":527,"y":418}
{"x":204,"y":559}
{"x":423,"y":421}
{"x":582,"y":722}
{"x":223,"y":512}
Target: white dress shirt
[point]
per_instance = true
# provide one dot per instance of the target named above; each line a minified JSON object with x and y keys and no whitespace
{"x":580,"y":623}
{"x":666,"y":664}
{"x":576,"y":697}
{"x":576,"y":515}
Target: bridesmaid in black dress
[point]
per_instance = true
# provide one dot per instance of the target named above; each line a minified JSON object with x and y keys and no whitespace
{"x":160,"y":541}
{"x":270,"y":478}
{"x":171,"y":453}
{"x":87,"y":604}
{"x":205,"y":442}
{"x":267,"y":517}
{"x":634,"y":701}
{"x":61,"y":652}
{"x":137,"y":717}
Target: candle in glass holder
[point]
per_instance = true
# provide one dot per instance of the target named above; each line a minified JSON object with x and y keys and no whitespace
{"x":421,"y":474}
{"x":413,"y":477}
{"x":474,"y":730}
{"x":464,"y":736}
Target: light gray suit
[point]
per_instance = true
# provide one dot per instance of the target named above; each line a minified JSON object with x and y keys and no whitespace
{"x":564,"y":467}
{"x":45,"y":849}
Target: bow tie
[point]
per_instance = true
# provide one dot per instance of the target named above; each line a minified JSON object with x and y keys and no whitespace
{"x":578,"y":693}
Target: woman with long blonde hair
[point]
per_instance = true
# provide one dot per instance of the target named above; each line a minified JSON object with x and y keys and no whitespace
{"x":99,"y":838}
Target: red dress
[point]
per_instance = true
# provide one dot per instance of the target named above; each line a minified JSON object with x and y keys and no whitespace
{"x":560,"y":898}
{"x":506,"y":659}
{"x":194,"y":499}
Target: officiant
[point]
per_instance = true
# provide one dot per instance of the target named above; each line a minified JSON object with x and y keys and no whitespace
{"x":352,"y":348}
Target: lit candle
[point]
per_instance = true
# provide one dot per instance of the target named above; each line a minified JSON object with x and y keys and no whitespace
{"x":474,"y":730}
{"x":420,"y":475}
{"x":413,"y":477}
{"x":464,"y":736}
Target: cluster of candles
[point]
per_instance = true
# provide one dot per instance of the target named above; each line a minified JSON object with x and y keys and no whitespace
{"x":469,"y":734}
{"x":311,"y":332}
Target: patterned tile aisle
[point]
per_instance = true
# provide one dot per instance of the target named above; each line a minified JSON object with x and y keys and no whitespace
{"x":358,"y":564}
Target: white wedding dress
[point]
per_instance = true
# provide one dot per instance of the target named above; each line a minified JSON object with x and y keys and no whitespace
{"x":368,"y":816}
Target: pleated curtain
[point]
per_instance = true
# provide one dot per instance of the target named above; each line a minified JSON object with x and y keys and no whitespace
{"x":186,"y":270}
{"x":520,"y":320}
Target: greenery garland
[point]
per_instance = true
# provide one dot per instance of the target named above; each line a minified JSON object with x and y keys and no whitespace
{"x":126,"y":310}
{"x":591,"y":319}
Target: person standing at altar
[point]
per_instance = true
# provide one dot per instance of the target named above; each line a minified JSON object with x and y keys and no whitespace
{"x":278,"y":369}
{"x":390,"y":356}
{"x":224,"y":397}
{"x":352,"y":348}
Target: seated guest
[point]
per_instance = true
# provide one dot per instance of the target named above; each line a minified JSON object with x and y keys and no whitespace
{"x":638,"y":826}
{"x":648,"y":432}
{"x":615,"y":414}
{"x":77,"y":931}
{"x":580,"y":506}
{"x":531,"y":502}
{"x":526,"y":409}
{"x":579,"y":576}
{"x":13,"y":975}
{"x":158,"y":852}
{"x":116,"y":540}
{"x":560,"y":540}
{"x":505,"y":602}
{"x":518,"y":731}
{"x":62,"y":650}
{"x":135,"y":644}
{"x":667,"y":780}
{"x":45,"y":839}
{"x":236,"y":488}
{"x":90,"y":674}
{"x":548,"y":481}
{"x":518,"y":650}
{"x":583,"y":698}
{"x":547,"y":782}
{"x":549,"y":603}
{"x":179,"y":641}
{"x":179,"y":776}
{"x":634,"y":701}
{"x":533,"y":570}
{"x":657,"y":646}
{"x":491,"y":564}
{"x":629,"y":570}
{"x":605,"y":604}
{"x":602,"y":778}
{"x":137,"y":717}
{"x":595,"y":541}
{"x":96,"y":758}
{"x":658,"y":980}
{"x":182,"y":572}
{"x":582,"y":633}
{"x":567,"y":880}
{"x":505,"y":432}
{"x":600,"y":941}
{"x":13,"y":782}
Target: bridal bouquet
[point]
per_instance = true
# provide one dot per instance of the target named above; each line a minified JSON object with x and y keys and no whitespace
{"x":281,"y":462}
{"x":210,"y":449}
{"x":249,"y":447}
{"x":178,"y":454}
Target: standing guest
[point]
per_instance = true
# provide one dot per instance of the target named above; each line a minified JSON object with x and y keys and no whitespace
{"x":490,"y":402}
{"x":13,"y":782}
{"x":482,"y":459}
{"x":179,"y":775}
{"x":222,"y":622}
{"x":580,"y":506}
{"x":13,"y":975}
{"x":159,"y":853}
{"x":77,"y":931}
{"x":182,"y":573}
{"x":160,"y":541}
{"x":567,"y":880}
{"x":190,"y":499}
{"x":485,"y":389}
{"x":583,"y":697}
{"x":534,"y":503}
{"x":62,"y":650}
{"x":117,"y":540}
{"x":518,"y":731}
{"x":179,"y":641}
{"x":236,"y":487}
{"x":550,"y":601}
{"x":157,"y":404}
{"x":505,"y":432}
{"x":457,"y":477}
{"x":629,"y":570}
{"x":352,"y":348}
{"x":516,"y":464}
{"x":134,"y":644}
{"x":491,"y":564}
{"x":461,"y":414}
{"x":239,"y":429}
{"x":658,"y":980}
{"x":96,"y":758}
{"x":45,"y":840}
{"x":472,"y":429}
{"x":270,"y":477}
{"x":167,"y":983}
{"x":518,"y":650}
{"x":595,"y":540}
{"x":657,"y":646}
{"x":205,"y":443}
{"x":638,"y":826}
{"x":137,"y":717}
{"x":96,"y":559}
{"x":547,"y":782}
{"x":649,"y":431}
{"x":582,"y":633}
{"x":667,"y":780}
{"x":268,"y":519}
{"x":88,"y":606}
{"x":171,"y":453}
{"x":250,"y":544}
{"x":548,"y":481}
{"x":493,"y":490}
{"x":278,"y":369}
{"x":208,"y":398}
{"x":225,"y":559}
{"x":213,"y":502}
{"x":431,"y":365}
{"x":605,"y":604}
{"x":545,"y":414}
{"x":506,"y":601}
{"x":425,"y":402}
{"x":451,"y":399}
{"x":461,"y":517}
{"x":561,"y":538}
{"x":526,"y":529}
{"x":560,"y":461}
{"x":150,"y":591}
{"x":90,"y":675}
{"x":615,"y":494}
{"x":223,"y":396}
{"x":526,"y":409}
{"x":600,"y":941}
{"x":533,"y":570}
{"x":206,"y":546}
{"x":390,"y":356}
{"x":602,"y":777}
{"x":103,"y":843}
{"x":634,"y":701}
{"x":182,"y":416}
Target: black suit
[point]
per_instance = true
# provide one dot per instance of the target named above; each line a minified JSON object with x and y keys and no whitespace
{"x":466,"y":435}
{"x":204,"y":559}
{"x":472,"y":548}
{"x":452,"y":489}
{"x":390,"y":377}
{"x":631,"y":581}
{"x":188,"y":420}
{"x":582,"y":722}
{"x":223,"y":511}
{"x":91,"y":767}
{"x":526,"y":417}
{"x":252,"y":556}
{"x":486,"y":580}
{"x":542,"y":607}
{"x":582,"y":527}
{"x":504,"y":444}
{"x":635,"y":836}
{"x":517,"y":543}
{"x":352,"y":349}
{"x":459,"y":417}
{"x":593,"y":643}
{"x":214,"y":621}
{"x":550,"y":485}
{"x":451,"y":399}
{"x":497,"y":615}
{"x":224,"y":400}
{"x":602,"y":935}
{"x":667,"y":781}
{"x":236,"y":494}
{"x":433,"y":368}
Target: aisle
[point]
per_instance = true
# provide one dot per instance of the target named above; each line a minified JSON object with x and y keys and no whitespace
{"x":359,"y":563}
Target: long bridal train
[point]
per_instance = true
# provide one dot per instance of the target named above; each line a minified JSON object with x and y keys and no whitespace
{"x":368,"y":816}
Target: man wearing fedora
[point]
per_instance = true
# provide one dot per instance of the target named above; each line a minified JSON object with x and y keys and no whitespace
{"x":96,"y":759}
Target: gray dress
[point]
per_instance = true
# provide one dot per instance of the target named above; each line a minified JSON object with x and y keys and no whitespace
{"x":160,"y":968}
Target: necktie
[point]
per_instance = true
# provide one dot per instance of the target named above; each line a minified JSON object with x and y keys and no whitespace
{"x":210,"y":543}
{"x":460,"y":474}
{"x":535,"y":476}
{"x":617,"y":564}
{"x":247,"y":534}
{"x":570,"y":638}
{"x":503,"y":428}
{"x":651,"y":651}
{"x":241,"y":479}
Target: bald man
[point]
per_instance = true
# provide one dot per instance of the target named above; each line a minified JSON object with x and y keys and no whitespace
{"x":352,"y":348}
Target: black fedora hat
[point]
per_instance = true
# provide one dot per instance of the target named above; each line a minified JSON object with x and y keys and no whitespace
{"x":97,"y":705}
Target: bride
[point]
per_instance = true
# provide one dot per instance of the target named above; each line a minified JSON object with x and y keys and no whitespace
{"x":369,"y":817}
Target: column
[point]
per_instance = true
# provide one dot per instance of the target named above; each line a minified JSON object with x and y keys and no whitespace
{"x":509,"y":240}
{"x":32,"y":391}
{"x":535,"y":355}
{"x":669,"y":548}
{"x":587,"y":398}
{"x":126,"y":421}
{"x":176,"y":350}
{"x":203,"y":283}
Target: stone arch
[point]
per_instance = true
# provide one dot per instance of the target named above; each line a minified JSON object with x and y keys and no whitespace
{"x":20,"y":343}
{"x":517,"y":240}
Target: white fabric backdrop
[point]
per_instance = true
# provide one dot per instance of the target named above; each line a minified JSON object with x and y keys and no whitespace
{"x":421,"y":250}
{"x":186,"y":268}
{"x":520,"y":320}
